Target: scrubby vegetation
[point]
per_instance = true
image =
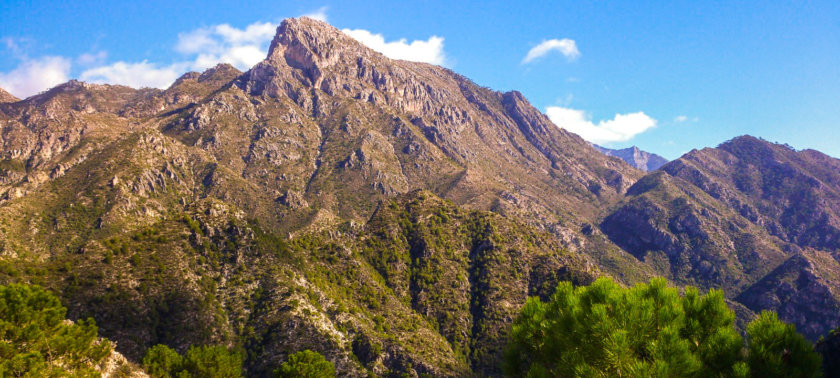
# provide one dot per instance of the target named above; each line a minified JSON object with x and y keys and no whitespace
{"x":199,"y":361}
{"x":650,"y":330}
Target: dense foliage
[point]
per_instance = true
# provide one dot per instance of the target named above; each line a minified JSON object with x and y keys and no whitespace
{"x":36,"y":340}
{"x":199,"y":361}
{"x":646,"y":331}
{"x":776,"y":350}
{"x":306,"y":364}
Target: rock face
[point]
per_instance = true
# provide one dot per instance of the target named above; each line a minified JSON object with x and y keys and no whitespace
{"x":803,"y":290}
{"x":643,"y":160}
{"x":757,"y":218}
{"x":7,"y":97}
{"x":390,"y":215}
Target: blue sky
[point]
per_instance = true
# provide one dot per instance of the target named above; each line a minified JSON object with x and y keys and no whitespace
{"x":666,"y":77}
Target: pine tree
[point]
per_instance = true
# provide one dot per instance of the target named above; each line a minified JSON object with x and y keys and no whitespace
{"x":306,"y":364}
{"x":649,"y":330}
{"x":776,"y":350}
{"x":35,"y":339}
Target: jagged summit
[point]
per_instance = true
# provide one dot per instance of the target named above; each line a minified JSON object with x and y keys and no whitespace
{"x":302,"y":42}
{"x":7,"y":97}
{"x":640,"y":159}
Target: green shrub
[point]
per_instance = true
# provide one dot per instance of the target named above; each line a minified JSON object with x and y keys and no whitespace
{"x":199,"y":361}
{"x":306,"y":364}
{"x":162,"y":361}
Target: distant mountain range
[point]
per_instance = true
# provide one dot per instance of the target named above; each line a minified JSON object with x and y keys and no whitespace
{"x":393,"y":216}
{"x":643,"y":160}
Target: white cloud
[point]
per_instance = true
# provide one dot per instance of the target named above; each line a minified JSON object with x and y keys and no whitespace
{"x":622,"y":127}
{"x":565,"y":46}
{"x":89,"y":59}
{"x":242,"y":48}
{"x":35,"y":75}
{"x":428,"y":51}
{"x":201,"y":48}
{"x":320,"y":14}
{"x":137,"y":75}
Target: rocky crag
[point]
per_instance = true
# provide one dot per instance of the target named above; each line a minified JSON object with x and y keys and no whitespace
{"x":643,"y":160}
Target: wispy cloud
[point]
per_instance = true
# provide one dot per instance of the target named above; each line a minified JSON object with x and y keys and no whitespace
{"x":622,"y":127}
{"x":685,"y":118}
{"x":91,"y":59}
{"x":320,"y":14}
{"x":200,"y":49}
{"x":35,"y":75}
{"x":242,"y":48}
{"x":137,"y":75}
{"x":428,"y":51}
{"x":564,"y":46}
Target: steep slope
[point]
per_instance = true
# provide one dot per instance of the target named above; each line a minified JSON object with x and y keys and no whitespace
{"x":805,"y":289}
{"x":643,"y":160}
{"x":689,"y":237}
{"x":325,"y":109}
{"x":794,"y":195}
{"x":738,"y":216}
{"x":7,"y":97}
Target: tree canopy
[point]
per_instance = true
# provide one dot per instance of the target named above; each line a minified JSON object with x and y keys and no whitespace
{"x":36,"y":340}
{"x":306,"y":364}
{"x":199,"y":361}
{"x":649,"y":330}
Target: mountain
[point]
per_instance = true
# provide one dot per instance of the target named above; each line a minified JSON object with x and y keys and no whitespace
{"x":7,"y":97}
{"x":643,"y":160}
{"x":757,"y":218}
{"x":391,"y":215}
{"x":246,"y":208}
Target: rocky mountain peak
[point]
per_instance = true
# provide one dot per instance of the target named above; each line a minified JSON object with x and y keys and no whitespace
{"x":640,"y":159}
{"x":220,"y":72}
{"x":309,"y":44}
{"x":7,"y":97}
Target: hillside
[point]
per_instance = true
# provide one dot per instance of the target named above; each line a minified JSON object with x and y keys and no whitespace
{"x":757,"y":218}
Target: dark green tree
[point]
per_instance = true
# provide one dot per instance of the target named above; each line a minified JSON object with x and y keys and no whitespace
{"x":777,"y":350}
{"x":213,"y":361}
{"x":649,"y":330}
{"x":199,"y":361}
{"x":162,"y":361}
{"x":306,"y":364}
{"x":35,"y":339}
